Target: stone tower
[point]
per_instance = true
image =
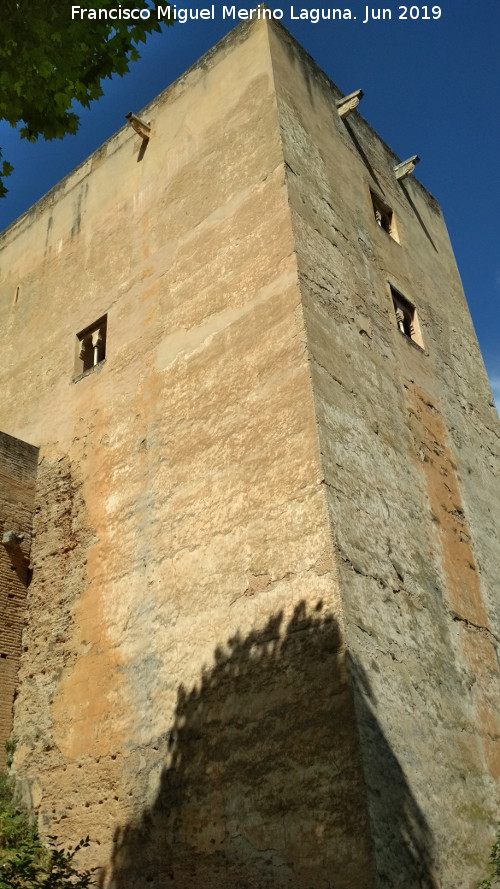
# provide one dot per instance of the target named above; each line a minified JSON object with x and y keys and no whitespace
{"x":262,"y":626}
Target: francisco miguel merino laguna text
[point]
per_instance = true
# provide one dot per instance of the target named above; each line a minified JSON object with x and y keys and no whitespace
{"x":183,"y":15}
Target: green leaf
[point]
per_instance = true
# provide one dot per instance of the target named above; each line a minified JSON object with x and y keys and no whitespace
{"x":48,"y":60}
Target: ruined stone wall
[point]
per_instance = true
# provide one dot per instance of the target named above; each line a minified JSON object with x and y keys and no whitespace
{"x":18,"y":462}
{"x":409,"y":444}
{"x":185,"y":697}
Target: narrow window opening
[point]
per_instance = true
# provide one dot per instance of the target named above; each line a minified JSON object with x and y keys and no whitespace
{"x":91,"y":346}
{"x":384,"y":217}
{"x":406,"y":318}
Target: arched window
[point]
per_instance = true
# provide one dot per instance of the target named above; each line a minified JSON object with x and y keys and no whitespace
{"x":384,"y":217}
{"x":406,"y":318}
{"x":91,"y":346}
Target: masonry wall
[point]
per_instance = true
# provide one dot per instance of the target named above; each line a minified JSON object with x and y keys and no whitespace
{"x":185,"y":695}
{"x":262,"y":624}
{"x":18,"y":462}
{"x":409,"y":444}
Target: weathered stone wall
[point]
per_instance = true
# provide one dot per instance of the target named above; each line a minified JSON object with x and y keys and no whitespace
{"x":261,"y":458}
{"x":18,"y":462}
{"x":184,"y":697}
{"x":409,"y":442}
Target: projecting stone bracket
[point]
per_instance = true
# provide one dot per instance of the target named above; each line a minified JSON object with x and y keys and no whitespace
{"x":407,"y":167}
{"x":349,"y":103}
{"x":19,"y":561}
{"x":11,"y":539}
{"x":140,"y":126}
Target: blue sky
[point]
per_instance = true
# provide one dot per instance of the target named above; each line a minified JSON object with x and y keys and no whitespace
{"x":432,"y":88}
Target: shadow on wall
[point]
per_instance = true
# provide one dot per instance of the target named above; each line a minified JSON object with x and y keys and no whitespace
{"x":17,"y":561}
{"x":261,"y":784}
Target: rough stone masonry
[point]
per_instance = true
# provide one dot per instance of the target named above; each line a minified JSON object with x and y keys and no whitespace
{"x":261,"y":642}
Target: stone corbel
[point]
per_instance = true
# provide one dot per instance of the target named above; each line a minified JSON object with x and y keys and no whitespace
{"x":405,"y":168}
{"x":10,"y":538}
{"x":349,"y":103}
{"x":140,"y":126}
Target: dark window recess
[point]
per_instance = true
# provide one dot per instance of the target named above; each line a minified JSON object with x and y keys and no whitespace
{"x":91,"y":346}
{"x":406,"y":318}
{"x":384,"y":216}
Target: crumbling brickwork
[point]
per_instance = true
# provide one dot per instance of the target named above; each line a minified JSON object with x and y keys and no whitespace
{"x":18,"y":462}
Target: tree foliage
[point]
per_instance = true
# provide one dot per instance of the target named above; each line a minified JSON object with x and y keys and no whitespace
{"x":25,"y":863}
{"x":16,"y":830}
{"x":49,"y":61}
{"x":494,"y":878}
{"x":37,"y":867}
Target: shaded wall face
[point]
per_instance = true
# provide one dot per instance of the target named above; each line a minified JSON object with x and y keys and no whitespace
{"x":181,"y":517}
{"x":18,"y":464}
{"x":260,"y":782}
{"x":407,"y":437}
